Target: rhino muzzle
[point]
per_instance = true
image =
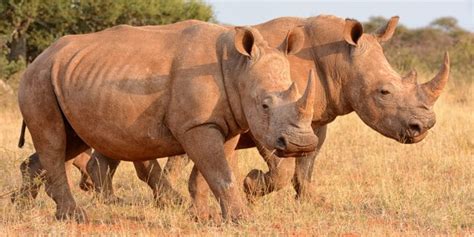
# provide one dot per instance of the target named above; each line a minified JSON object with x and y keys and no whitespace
{"x":296,"y":145}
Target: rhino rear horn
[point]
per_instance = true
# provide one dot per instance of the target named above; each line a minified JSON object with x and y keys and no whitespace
{"x":433,"y":88}
{"x":306,"y":102}
{"x":411,"y":77}
{"x":292,"y":92}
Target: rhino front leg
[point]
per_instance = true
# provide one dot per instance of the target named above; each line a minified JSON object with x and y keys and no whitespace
{"x":150,"y":172}
{"x":101,"y":170}
{"x":302,"y":180}
{"x":80,"y":162}
{"x":207,"y":148}
{"x":280,"y":171}
{"x":199,"y":189}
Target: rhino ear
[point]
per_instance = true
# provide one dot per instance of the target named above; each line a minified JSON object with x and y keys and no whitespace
{"x":294,"y":41}
{"x":244,"y":41}
{"x":386,"y":32}
{"x":353,"y":30}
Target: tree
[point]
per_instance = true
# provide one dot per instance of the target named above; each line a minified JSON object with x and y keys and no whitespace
{"x":447,"y":24}
{"x":30,"y":26}
{"x":17,"y":17}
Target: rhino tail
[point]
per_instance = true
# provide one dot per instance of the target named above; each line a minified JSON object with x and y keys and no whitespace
{"x":21,"y":141}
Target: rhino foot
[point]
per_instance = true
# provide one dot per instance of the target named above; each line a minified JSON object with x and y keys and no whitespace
{"x":311,"y":197}
{"x":108,"y":199}
{"x":21,"y":197}
{"x":168,"y":198}
{"x":255,"y":185}
{"x":237,"y":214}
{"x":201,"y":213}
{"x":72,"y":214}
{"x":86,"y":183}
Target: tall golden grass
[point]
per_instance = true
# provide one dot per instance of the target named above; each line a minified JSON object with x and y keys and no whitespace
{"x":366,"y":185}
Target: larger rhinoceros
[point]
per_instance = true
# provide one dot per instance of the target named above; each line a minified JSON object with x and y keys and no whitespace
{"x":137,"y":94}
{"x":353,"y":75}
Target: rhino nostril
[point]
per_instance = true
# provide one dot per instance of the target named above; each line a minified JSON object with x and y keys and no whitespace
{"x":415,"y":128}
{"x":281,"y":143}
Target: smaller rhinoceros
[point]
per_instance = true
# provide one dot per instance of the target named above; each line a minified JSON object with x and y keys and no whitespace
{"x":137,"y":94}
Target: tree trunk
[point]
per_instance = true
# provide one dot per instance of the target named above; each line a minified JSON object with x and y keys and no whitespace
{"x":17,"y":48}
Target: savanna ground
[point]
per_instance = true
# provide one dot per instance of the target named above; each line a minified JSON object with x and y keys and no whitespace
{"x":366,"y":185}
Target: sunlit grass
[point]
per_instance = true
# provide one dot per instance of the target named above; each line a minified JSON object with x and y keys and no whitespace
{"x":366,"y":185}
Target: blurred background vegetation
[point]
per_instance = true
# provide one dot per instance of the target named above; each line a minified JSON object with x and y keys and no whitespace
{"x":423,"y":48}
{"x":27,"y":27}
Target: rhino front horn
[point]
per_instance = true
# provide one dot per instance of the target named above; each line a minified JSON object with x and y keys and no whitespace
{"x":433,"y":88}
{"x":306,"y":102}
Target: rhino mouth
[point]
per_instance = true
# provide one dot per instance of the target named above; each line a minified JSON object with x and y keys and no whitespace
{"x":407,"y":138}
{"x":295,"y":144}
{"x":296,"y":150}
{"x":285,"y":154}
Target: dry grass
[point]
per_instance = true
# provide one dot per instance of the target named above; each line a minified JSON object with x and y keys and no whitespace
{"x":370,"y":185}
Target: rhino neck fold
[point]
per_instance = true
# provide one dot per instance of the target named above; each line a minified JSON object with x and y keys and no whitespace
{"x":228,"y":68}
{"x":328,"y":53}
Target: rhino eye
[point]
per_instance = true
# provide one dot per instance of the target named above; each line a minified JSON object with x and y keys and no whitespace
{"x":384,"y":92}
{"x":265,"y":106}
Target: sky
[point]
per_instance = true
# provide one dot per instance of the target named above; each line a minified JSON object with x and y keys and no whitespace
{"x":412,"y":13}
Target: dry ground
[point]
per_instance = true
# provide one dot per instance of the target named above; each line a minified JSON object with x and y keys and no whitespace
{"x":367,"y":185}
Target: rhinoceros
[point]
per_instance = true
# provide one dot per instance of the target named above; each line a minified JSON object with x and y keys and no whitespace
{"x":352,"y":76}
{"x":137,"y":94}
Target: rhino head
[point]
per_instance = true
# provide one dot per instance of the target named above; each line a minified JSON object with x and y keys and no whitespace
{"x":397,"y":107}
{"x":278,"y":116}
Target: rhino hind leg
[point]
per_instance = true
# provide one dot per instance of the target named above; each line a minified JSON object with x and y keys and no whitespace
{"x":150,"y":172}
{"x":54,"y":140}
{"x":101,"y":170}
{"x":174,"y":167}
{"x":32,"y":174}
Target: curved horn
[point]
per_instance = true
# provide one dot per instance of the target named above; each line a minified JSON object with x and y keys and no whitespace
{"x":433,"y":88}
{"x":411,"y":77}
{"x":306,"y":102}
